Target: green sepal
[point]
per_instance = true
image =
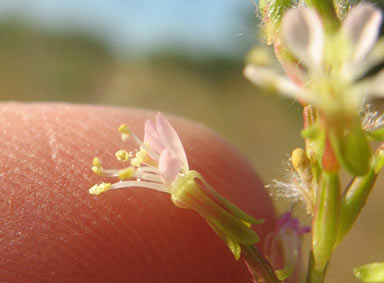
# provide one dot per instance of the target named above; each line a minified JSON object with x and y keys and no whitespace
{"x":234,"y":247}
{"x":236,"y":211}
{"x":284,"y":273}
{"x":310,"y":132}
{"x":352,"y":150}
{"x":373,"y":272}
{"x":229,"y":222}
{"x":379,"y":164}
{"x":375,"y":135}
{"x":325,"y":222}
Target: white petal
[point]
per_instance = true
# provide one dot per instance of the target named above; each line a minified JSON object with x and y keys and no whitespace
{"x":169,"y":167}
{"x":170,"y":139}
{"x":303,"y":33}
{"x":374,"y":86}
{"x":362,"y":27}
{"x":268,"y":79}
{"x":151,"y":136}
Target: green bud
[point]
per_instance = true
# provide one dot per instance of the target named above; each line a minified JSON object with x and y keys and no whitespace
{"x":376,"y":135}
{"x":272,"y":11}
{"x":352,"y":150}
{"x":373,"y":272}
{"x":325,"y":222}
{"x":310,"y":133}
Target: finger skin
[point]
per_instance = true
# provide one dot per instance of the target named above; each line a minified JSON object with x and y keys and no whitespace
{"x":53,"y":230}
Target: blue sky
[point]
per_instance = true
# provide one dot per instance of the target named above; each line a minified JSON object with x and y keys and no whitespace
{"x":142,"y":24}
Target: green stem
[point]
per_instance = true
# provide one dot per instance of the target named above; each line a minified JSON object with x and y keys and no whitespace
{"x":260,"y":268}
{"x":325,"y":221}
{"x":315,"y":274}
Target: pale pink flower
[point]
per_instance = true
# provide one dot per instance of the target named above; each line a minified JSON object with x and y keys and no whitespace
{"x":161,"y":164}
{"x":158,"y":163}
{"x":331,"y":60}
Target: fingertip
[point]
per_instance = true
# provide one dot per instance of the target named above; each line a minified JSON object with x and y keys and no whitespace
{"x":54,"y":229}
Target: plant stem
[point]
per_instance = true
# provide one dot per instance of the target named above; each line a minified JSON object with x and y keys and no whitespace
{"x":258,"y":266}
{"x":315,"y":274}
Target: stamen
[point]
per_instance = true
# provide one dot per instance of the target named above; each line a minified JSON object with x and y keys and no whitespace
{"x":97,"y":168}
{"x":123,"y":155}
{"x":148,"y":177}
{"x":125,"y":132}
{"x":96,"y":162}
{"x":139,"y":158}
{"x":98,"y":189}
{"x":126,"y":173}
{"x":148,"y":185}
{"x":110,"y":173}
{"x":148,"y":169}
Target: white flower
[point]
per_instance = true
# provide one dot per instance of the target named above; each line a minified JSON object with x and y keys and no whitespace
{"x":332,"y":63}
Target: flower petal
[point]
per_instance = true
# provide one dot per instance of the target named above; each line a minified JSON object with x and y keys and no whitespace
{"x":151,"y":136}
{"x":303,"y":33}
{"x":373,"y":86}
{"x":170,"y":139}
{"x":362,"y":27}
{"x":268,"y":79}
{"x":169,"y":167}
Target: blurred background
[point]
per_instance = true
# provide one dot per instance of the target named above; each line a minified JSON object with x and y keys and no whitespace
{"x":180,"y":57}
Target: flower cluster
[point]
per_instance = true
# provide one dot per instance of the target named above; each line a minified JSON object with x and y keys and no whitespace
{"x":328,"y":65}
{"x":326,"y":70}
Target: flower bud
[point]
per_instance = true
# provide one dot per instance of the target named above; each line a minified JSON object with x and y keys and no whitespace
{"x":272,"y":12}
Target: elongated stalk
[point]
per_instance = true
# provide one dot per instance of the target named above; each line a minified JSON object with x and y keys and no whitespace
{"x":260,"y":268}
{"x":315,"y":275}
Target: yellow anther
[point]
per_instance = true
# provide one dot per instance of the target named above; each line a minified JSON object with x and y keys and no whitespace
{"x":300,"y":160}
{"x":96,"y":162}
{"x":96,"y":168}
{"x":139,"y":157}
{"x":126,"y":173}
{"x":125,"y":132}
{"x":122,"y":155}
{"x":98,"y":189}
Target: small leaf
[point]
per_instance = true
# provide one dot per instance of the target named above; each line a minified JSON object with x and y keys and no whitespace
{"x":373,"y":272}
{"x":353,"y":200}
{"x":235,"y":248}
{"x":378,"y":159}
{"x":376,"y":135}
{"x":379,"y":164}
{"x":284,"y":273}
{"x":310,"y":132}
